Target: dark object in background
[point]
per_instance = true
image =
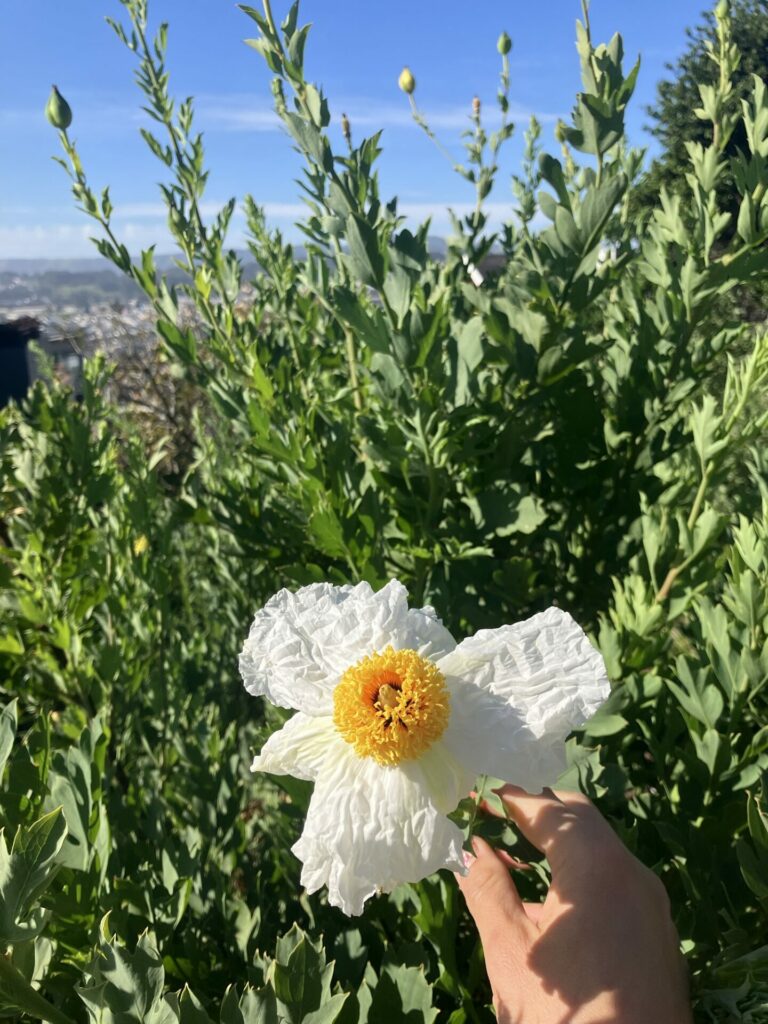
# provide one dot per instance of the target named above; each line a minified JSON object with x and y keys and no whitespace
{"x":17,"y":370}
{"x":18,"y":366}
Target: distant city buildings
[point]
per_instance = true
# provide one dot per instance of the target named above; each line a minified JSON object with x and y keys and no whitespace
{"x":53,"y":312}
{"x":35,"y":335}
{"x":65,"y":336}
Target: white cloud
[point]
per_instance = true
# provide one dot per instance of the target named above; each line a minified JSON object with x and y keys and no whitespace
{"x":282,"y":211}
{"x":231,"y":114}
{"x":73,"y":241}
{"x":420,"y":211}
{"x":242,"y":113}
{"x":498,"y":213}
{"x":209,"y":208}
{"x":45,"y":241}
{"x":140,"y":225}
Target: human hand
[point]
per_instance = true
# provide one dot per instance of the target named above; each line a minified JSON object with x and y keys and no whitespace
{"x":600,"y":949}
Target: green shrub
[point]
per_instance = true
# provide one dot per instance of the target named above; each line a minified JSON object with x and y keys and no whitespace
{"x":574,"y":429}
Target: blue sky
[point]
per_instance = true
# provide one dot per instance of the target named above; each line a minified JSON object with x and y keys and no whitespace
{"x":355,"y":51}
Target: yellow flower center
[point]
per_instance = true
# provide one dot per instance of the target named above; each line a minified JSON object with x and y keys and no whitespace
{"x":391,"y":706}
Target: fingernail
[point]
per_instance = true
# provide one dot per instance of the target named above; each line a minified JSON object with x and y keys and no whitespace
{"x":469,"y":859}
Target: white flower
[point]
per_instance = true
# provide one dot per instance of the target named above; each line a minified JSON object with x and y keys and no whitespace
{"x":395,"y":721}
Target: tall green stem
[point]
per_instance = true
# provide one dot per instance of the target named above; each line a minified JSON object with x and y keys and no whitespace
{"x":479,"y":797}
{"x":349,"y":340}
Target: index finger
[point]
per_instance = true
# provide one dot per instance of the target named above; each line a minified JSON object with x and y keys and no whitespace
{"x":563,"y":825}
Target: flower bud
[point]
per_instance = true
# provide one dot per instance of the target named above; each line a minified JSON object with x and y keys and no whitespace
{"x":140,"y":545}
{"x":58,"y":111}
{"x":721,"y":11}
{"x":406,"y":81}
{"x":504,"y":44}
{"x":476,"y":106}
{"x":561,"y":130}
{"x":345,"y":128}
{"x":279,"y":95}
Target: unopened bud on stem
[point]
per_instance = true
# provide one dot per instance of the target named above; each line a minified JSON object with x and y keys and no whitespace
{"x":279,"y":95}
{"x":58,"y":111}
{"x":406,"y":81}
{"x":345,"y":128}
{"x":560,"y":130}
{"x":476,"y":106}
{"x":721,"y":11}
{"x":504,"y":44}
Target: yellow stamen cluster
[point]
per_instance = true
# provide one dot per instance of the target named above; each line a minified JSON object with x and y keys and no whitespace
{"x":391,"y":706}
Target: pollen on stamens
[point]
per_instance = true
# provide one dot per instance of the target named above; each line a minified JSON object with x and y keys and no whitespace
{"x":391,"y":706}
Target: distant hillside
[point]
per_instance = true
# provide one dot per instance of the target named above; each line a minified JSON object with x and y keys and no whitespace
{"x":83,"y":283}
{"x":92,"y":265}
{"x":64,"y":288}
{"x":163,"y":261}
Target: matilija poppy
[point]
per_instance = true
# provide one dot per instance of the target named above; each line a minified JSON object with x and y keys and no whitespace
{"x":395,"y":720}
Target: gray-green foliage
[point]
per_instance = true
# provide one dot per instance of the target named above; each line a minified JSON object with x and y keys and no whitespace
{"x":675,"y":121}
{"x":580,"y":427}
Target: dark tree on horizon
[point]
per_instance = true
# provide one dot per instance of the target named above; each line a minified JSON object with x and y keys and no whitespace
{"x":673,"y":121}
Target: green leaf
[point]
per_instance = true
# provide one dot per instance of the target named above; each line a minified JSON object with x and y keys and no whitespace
{"x":701,"y":699}
{"x":70,"y":784}
{"x":11,"y":643}
{"x":364,"y":259}
{"x":182,"y":343}
{"x":605,"y":725}
{"x":754,"y":868}
{"x":402,"y":994}
{"x":707,"y":748}
{"x":328,"y":1012}
{"x":327,"y":532}
{"x":470,"y":349}
{"x":25,"y":873}
{"x":757,"y":822}
{"x":397,"y":291}
{"x":300,"y":976}
{"x":257,"y":1006}
{"x":369,"y":325}
{"x":126,"y":988}
{"x":567,"y":231}
{"x":316,"y":105}
{"x":597,"y":207}
{"x":191,"y":1010}
{"x":9,"y":717}
{"x":552,"y":172}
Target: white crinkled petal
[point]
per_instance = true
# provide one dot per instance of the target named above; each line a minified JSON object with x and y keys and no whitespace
{"x":447,"y":779}
{"x":370,"y":828}
{"x":301,"y":643}
{"x":299,"y":748}
{"x":516,"y":693}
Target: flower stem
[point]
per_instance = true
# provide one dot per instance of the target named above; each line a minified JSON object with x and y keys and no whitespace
{"x":479,"y":797}
{"x":349,"y":339}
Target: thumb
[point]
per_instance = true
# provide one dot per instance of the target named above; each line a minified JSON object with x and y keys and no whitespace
{"x":494,"y":903}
